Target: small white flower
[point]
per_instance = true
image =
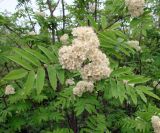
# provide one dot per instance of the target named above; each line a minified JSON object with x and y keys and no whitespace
{"x":64,"y":38}
{"x":156,"y":84}
{"x":9,"y":90}
{"x":82,"y":87}
{"x":126,"y":83}
{"x":32,"y":33}
{"x":92,"y":8}
{"x":69,"y":82}
{"x":135,"y":45}
{"x":135,"y":7}
{"x":40,"y":14}
{"x":156,"y":123}
{"x":149,"y":60}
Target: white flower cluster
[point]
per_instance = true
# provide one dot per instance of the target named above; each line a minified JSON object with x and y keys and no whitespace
{"x":40,"y":14}
{"x":64,"y":38}
{"x":83,"y":86}
{"x":126,"y":83}
{"x":9,"y":90}
{"x":150,"y":60}
{"x":156,"y":123}
{"x":135,"y":45}
{"x":32,"y":33}
{"x":92,"y":8}
{"x":135,"y":7}
{"x":156,"y":84}
{"x":69,"y":82}
{"x":85,"y":56}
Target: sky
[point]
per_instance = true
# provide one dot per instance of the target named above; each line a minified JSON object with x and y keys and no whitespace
{"x":10,"y":5}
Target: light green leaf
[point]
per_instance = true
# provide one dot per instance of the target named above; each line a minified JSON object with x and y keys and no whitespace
{"x":48,"y":53}
{"x":20,"y":62}
{"x":52,"y":76}
{"x":103,"y":22}
{"x":121,"y":71}
{"x":148,"y":91}
{"x":139,"y":79}
{"x":141,"y":94}
{"x":40,"y":80}
{"x":93,"y":23}
{"x":29,"y":83}
{"x":133,"y":95}
{"x":37,"y":55}
{"x":16,"y":74}
{"x":60,"y":75}
{"x":27,"y":56}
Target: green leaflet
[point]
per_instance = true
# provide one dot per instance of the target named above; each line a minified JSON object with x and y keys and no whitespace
{"x":93,"y":23}
{"x":37,"y":55}
{"x":121,"y":71}
{"x":133,"y":95}
{"x":147,"y":91}
{"x":52,"y":76}
{"x":141,"y":94}
{"x":21,"y":62}
{"x":60,"y":75}
{"x":104,"y":22}
{"x":121,"y":91}
{"x":139,"y":79}
{"x":40,"y":80}
{"x":29,"y":57}
{"x":16,"y":74}
{"x":48,"y":53}
{"x":29,"y":83}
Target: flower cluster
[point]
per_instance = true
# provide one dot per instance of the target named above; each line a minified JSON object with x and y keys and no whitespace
{"x":92,"y":8}
{"x":135,"y":45}
{"x":9,"y":90}
{"x":156,"y":84}
{"x":126,"y":83}
{"x":40,"y":14}
{"x":149,"y":60}
{"x":156,"y":123}
{"x":85,"y":56}
{"x":64,"y":38}
{"x":83,"y":86}
{"x":135,"y":7}
{"x":69,"y":82}
{"x":32,"y":33}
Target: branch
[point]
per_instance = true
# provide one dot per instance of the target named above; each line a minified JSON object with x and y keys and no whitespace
{"x":33,"y":27}
{"x":64,"y":18}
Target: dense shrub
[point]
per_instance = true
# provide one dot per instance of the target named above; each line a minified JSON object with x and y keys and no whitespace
{"x":92,"y":69}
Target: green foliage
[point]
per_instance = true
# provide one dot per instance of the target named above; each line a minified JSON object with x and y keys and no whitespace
{"x":44,"y":103}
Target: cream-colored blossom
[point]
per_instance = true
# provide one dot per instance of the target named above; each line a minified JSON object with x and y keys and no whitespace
{"x":85,"y":34}
{"x":69,"y":82}
{"x":92,"y":7}
{"x":126,"y":83}
{"x":150,"y":60}
{"x":156,"y":124}
{"x":64,"y":38}
{"x":72,"y":57}
{"x":32,"y":33}
{"x":84,"y":56}
{"x":9,"y":90}
{"x":135,"y":45}
{"x":135,"y":7}
{"x":156,"y":84}
{"x":96,"y":56}
{"x":82,"y":87}
{"x":40,"y":14}
{"x":95,"y":72}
